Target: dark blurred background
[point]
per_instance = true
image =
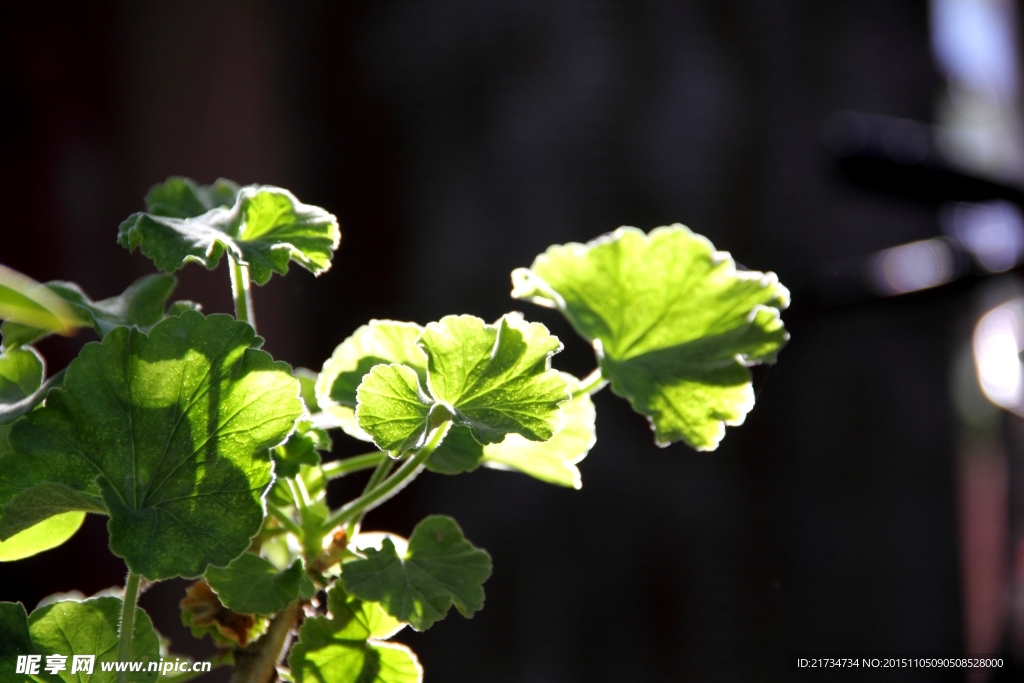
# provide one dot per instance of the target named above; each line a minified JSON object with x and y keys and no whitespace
{"x":867,"y":506}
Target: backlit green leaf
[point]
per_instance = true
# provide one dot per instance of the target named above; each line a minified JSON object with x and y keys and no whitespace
{"x":674,"y":324}
{"x":265,"y":228}
{"x":496,"y":379}
{"x":23,"y":300}
{"x":90,"y":627}
{"x":45,"y":535}
{"x":21,"y":374}
{"x":179,"y":197}
{"x":380,"y":341}
{"x":302,"y":448}
{"x":141,"y":305}
{"x":440,"y":568}
{"x":171,"y":432}
{"x":393,"y":408}
{"x":348,"y":646}
{"x":252,"y":585}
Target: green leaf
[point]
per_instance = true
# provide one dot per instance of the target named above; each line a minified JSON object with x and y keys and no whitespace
{"x":171,"y":432}
{"x":23,"y":300}
{"x":674,"y":324}
{"x":458,"y":453}
{"x":45,"y":535}
{"x":393,"y":408}
{"x":440,"y":568}
{"x":252,"y":585}
{"x":14,"y":640}
{"x":141,"y":305}
{"x":496,"y":379}
{"x":301,"y":448}
{"x":90,"y":627}
{"x":265,"y":229}
{"x":43,"y":502}
{"x":307,"y":388}
{"x":21,"y":374}
{"x":348,"y":647}
{"x":553,"y":461}
{"x":379,"y":342}
{"x":179,"y":197}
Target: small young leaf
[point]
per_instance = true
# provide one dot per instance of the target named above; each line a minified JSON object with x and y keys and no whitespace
{"x":497,"y":378}
{"x":265,"y":229}
{"x":379,"y":342}
{"x":141,"y":305}
{"x":43,"y":536}
{"x":553,"y":461}
{"x":25,"y":301}
{"x":393,"y":409}
{"x":440,"y":568}
{"x":179,"y":197}
{"x":458,"y":453}
{"x":301,"y":448}
{"x":348,"y":647}
{"x":14,"y":640}
{"x":252,"y":585}
{"x":674,"y":324}
{"x":90,"y":627}
{"x":171,"y":431}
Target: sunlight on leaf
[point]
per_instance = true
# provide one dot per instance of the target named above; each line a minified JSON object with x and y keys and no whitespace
{"x":25,"y":301}
{"x":674,"y":324}
{"x":45,"y":535}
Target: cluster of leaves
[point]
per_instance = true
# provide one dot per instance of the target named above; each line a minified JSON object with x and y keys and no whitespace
{"x":206,"y":454}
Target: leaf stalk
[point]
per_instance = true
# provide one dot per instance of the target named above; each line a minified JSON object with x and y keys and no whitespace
{"x":339,"y":468}
{"x":591,"y":384}
{"x":241,"y":291}
{"x":127,"y":628}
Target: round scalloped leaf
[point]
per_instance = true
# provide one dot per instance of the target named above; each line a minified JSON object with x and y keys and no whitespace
{"x":170,"y":432}
{"x":674,"y":324}
{"x":440,"y":568}
{"x":265,"y":229}
{"x":379,"y":342}
{"x":90,"y":627}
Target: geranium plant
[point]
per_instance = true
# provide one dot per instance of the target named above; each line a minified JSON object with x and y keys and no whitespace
{"x":206,"y":454}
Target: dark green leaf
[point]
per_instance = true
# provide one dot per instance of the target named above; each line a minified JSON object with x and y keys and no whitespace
{"x":90,"y":627}
{"x":141,"y":305}
{"x":347,"y":647}
{"x":265,"y":229}
{"x":379,"y":342}
{"x":171,"y":431}
{"x":252,"y":585}
{"x":458,"y":453}
{"x":14,"y":640}
{"x":674,"y":324}
{"x":440,"y":568}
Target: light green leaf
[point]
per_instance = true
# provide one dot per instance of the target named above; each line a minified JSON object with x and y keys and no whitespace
{"x":393,"y":408}
{"x":348,"y":647}
{"x":21,"y":374}
{"x":23,"y":300}
{"x":252,"y":585}
{"x":179,"y":197}
{"x":45,"y":535}
{"x":496,"y":379}
{"x":171,"y":431}
{"x":14,"y":640}
{"x":307,"y":388}
{"x":301,"y":448}
{"x":440,"y":568}
{"x":674,"y":324}
{"x":379,"y":342}
{"x":90,"y":627}
{"x":553,"y":461}
{"x":43,"y":502}
{"x":265,"y":229}
{"x":141,"y":305}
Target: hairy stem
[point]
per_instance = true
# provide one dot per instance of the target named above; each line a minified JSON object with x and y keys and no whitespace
{"x":390,"y":486}
{"x":591,"y":384}
{"x":124,"y":636}
{"x":241,"y":291}
{"x":381,"y":471}
{"x":257,"y":663}
{"x":339,"y":468}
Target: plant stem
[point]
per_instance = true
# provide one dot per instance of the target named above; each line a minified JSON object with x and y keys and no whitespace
{"x":339,"y":468}
{"x":257,"y":663}
{"x":283,"y":517}
{"x":241,"y":291}
{"x":383,"y":467}
{"x":124,"y":636}
{"x":390,"y":486}
{"x":591,"y":384}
